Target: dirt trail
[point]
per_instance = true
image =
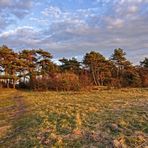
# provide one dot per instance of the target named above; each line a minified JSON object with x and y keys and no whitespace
{"x":20,"y":106}
{"x":15,"y":113}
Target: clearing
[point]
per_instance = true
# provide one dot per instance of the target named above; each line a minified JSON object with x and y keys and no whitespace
{"x":105,"y":118}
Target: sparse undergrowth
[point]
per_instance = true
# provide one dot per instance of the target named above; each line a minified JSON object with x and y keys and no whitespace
{"x":107,"y":118}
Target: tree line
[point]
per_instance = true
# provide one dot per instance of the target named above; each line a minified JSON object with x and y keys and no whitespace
{"x":34,"y":69}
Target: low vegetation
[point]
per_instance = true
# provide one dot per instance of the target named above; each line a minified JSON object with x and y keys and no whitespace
{"x":104,"y":118}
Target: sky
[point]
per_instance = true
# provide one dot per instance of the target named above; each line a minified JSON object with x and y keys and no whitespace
{"x":70,"y":28}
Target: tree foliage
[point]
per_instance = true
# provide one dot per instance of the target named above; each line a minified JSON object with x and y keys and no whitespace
{"x":94,"y":61}
{"x":34,"y":69}
{"x":144,"y":63}
{"x":71,"y":65}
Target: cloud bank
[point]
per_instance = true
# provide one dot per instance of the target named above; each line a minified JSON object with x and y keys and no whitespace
{"x":71,"y":28}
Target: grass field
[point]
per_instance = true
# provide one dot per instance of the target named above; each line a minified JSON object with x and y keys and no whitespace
{"x":106,"y":118}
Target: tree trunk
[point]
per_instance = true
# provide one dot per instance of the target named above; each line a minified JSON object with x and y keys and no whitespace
{"x":93,"y":76}
{"x":7,"y":83}
{"x":14,"y":83}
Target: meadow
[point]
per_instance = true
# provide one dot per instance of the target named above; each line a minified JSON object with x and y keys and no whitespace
{"x":98,"y":118}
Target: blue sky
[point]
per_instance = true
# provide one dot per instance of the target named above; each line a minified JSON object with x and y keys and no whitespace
{"x":73,"y":27}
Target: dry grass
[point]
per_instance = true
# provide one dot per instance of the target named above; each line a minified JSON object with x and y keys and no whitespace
{"x":106,"y":118}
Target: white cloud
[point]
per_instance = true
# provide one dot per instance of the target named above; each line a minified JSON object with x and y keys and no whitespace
{"x":115,"y":23}
{"x":133,"y":1}
{"x":54,"y":12}
{"x":132,"y":9}
{"x":5,"y":2}
{"x":19,"y":31}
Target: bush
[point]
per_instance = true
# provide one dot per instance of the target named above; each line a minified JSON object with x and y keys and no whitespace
{"x":58,"y":82}
{"x":143,"y":72}
{"x":131,"y":79}
{"x":64,"y":82}
{"x":23,"y":85}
